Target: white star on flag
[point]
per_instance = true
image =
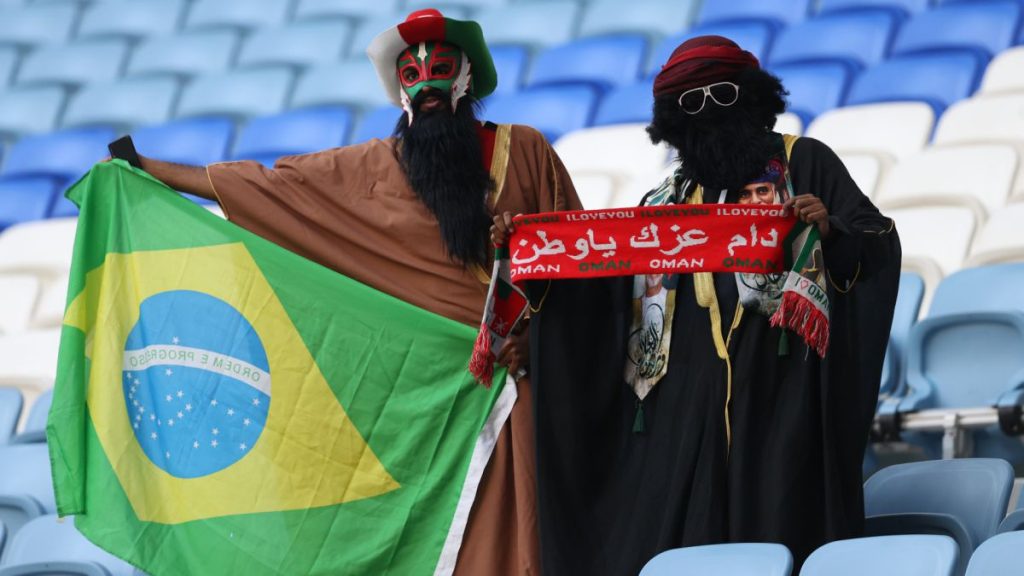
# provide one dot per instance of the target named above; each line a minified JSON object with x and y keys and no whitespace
{"x":180,"y":393}
{"x":129,"y":375}
{"x":152,"y":417}
{"x":142,"y":409}
{"x":168,"y":372}
{"x":181,"y":414}
{"x":153,"y":435}
{"x":170,"y":421}
{"x":216,"y":431}
{"x":174,"y":340}
{"x":214,"y":443}
{"x":213,"y":402}
{"x":246,"y":421}
{"x":167,"y":454}
{"x":242,"y":446}
{"x":136,"y":382}
{"x":231,"y":412}
{"x":168,"y":397}
{"x":255,"y":401}
{"x":136,"y":425}
{"x":188,"y":407}
{"x":195,"y":444}
{"x":157,"y":422}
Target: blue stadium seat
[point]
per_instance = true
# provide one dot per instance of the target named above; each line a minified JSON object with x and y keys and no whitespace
{"x":554,"y":110}
{"x":1000,"y":555}
{"x":754,"y":37}
{"x":28,"y":110}
{"x":814,"y":87}
{"x":25,"y":199}
{"x":296,"y":132}
{"x":510,"y":63}
{"x":298,"y":45}
{"x":10,"y":410}
{"x":48,"y":545}
{"x":122,"y":104}
{"x":377,"y":123}
{"x":775,"y":12}
{"x":62,"y":155}
{"x":902,"y":8}
{"x":604,"y":62}
{"x":350,"y":83}
{"x":35,"y":424}
{"x":28,"y":493}
{"x":861,"y":38}
{"x":446,"y":6}
{"x":1014,"y":521}
{"x":964,"y":499}
{"x":919,"y":555}
{"x":239,"y":94}
{"x":196,"y":141}
{"x":987,"y":27}
{"x":185,"y":56}
{"x":368,"y":29}
{"x":650,"y":17}
{"x":908,"y":306}
{"x":352,"y":10}
{"x":131,"y":19}
{"x":243,"y":16}
{"x":938,"y":79}
{"x":38,"y":25}
{"x":8,"y":63}
{"x":722,"y":560}
{"x":532,"y":23}
{"x":626,"y":105}
{"x":72,"y":65}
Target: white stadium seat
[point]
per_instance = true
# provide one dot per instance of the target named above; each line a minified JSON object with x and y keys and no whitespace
{"x":942,"y":234}
{"x":42,"y":247}
{"x":49,"y":311}
{"x":866,"y":169}
{"x":789,"y":123}
{"x":596,"y":191}
{"x":987,"y":119}
{"x":18,"y":295}
{"x":28,"y":360}
{"x":1005,"y":73}
{"x":622,"y":150}
{"x":899,"y":129}
{"x":1001,"y":239}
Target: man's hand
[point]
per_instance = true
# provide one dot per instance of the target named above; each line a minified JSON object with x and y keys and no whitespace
{"x":516,"y":352}
{"x":502,"y":228}
{"x":810,"y":209}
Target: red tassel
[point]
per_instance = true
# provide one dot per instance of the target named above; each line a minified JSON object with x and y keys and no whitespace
{"x":800,"y":315}
{"x":481,"y":363}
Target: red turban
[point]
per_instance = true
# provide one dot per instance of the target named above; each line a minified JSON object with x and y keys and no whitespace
{"x":701,"y":61}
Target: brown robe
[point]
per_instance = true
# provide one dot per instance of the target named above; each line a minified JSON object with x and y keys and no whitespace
{"x":352,"y":210}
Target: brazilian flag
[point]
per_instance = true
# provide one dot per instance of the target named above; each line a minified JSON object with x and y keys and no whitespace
{"x":224,"y":406}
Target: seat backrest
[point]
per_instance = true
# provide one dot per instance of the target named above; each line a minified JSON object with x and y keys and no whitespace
{"x":779,"y":12}
{"x":919,"y":238}
{"x":196,"y":141}
{"x":998,"y":556}
{"x":129,"y":19}
{"x":866,"y":168}
{"x":207,"y":52}
{"x":29,"y":355}
{"x":626,"y":105}
{"x":1000,"y":284}
{"x":908,"y":307}
{"x":814,"y":88}
{"x":1001,"y":239}
{"x":789,"y":123}
{"x":376,"y":123}
{"x":10,"y":410}
{"x":122,"y":104}
{"x":533,"y":23}
{"x":554,"y":110}
{"x":722,"y":560}
{"x":294,"y":132}
{"x":1005,"y":73}
{"x":510,"y":62}
{"x":662,"y":17}
{"x":246,"y":15}
{"x":352,"y":82}
{"x":74,"y":64}
{"x":48,"y":539}
{"x":999,"y":117}
{"x":989,"y":26}
{"x":903,"y":7}
{"x":18,"y":296}
{"x":65,"y":155}
{"x":38,"y":414}
{"x":976,"y":491}
{"x":861,"y":37}
{"x":43,"y":247}
{"x":32,"y":479}
{"x":907,"y":127}
{"x":624,"y":149}
{"x":239,"y":94}
{"x":605,"y":60}
{"x":348,"y":9}
{"x":301,"y":44}
{"x":8,"y":63}
{"x":24,"y":199}
{"x":38,"y":24}
{"x":917,"y":555}
{"x":754,"y":37}
{"x":30,"y":110}
{"x":939,"y":79}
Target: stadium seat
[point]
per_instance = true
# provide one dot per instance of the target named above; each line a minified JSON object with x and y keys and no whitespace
{"x":789,"y":123}
{"x":30,"y":110}
{"x":979,"y":176}
{"x":131,"y":19}
{"x":62,"y":155}
{"x":8,"y":63}
{"x":72,"y":65}
{"x":10,"y":410}
{"x":446,"y":6}
{"x":919,"y":555}
{"x":622,"y":151}
{"x":48,"y":545}
{"x":778,"y":13}
{"x":1001,"y":239}
{"x":368,"y":29}
{"x":988,"y":27}
{"x":531,"y":23}
{"x":937,"y":79}
{"x":649,"y":17}
{"x":1000,"y":555}
{"x":296,"y":132}
{"x":921,"y":243}
{"x":754,"y":37}
{"x":859,"y":38}
{"x":603,"y":62}
{"x":1014,"y":521}
{"x":814,"y":88}
{"x":379,"y":122}
{"x":49,"y":308}
{"x":867,"y":169}
{"x":18,"y":296}
{"x":595,"y":191}
{"x":908,"y":307}
{"x":994,"y":118}
{"x":237,"y":95}
{"x":28,"y":493}
{"x":722,"y":560}
{"x":298,"y":45}
{"x":196,"y":141}
{"x":38,"y":24}
{"x":243,"y":16}
{"x":1005,"y":73}
{"x":510,"y":62}
{"x":123,"y":104}
{"x":626,"y":105}
{"x":900,"y":7}
{"x":185,"y":56}
{"x":554,"y":110}
{"x":35,"y":425}
{"x":350,"y":83}
{"x":41,"y":248}
{"x":906,"y":126}
{"x":349,"y":9}
{"x":25,"y":199}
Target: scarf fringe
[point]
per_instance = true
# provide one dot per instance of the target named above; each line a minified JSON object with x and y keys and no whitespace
{"x":800,"y":315}
{"x":481,"y":363}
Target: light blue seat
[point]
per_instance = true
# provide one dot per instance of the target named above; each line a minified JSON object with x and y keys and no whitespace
{"x":754,"y":37}
{"x":917,"y":555}
{"x":650,"y":17}
{"x":367,"y":29}
{"x":74,"y":64}
{"x":349,"y":83}
{"x":10,"y":410}
{"x":379,"y":123}
{"x":29,"y":492}
{"x":775,"y":12}
{"x":352,"y":10}
{"x":938,"y":79}
{"x":987,"y":27}
{"x":30,"y":110}
{"x":35,"y":424}
{"x":861,"y":38}
{"x":298,"y":45}
{"x":532,"y":23}
{"x":603,"y":62}
{"x":446,"y":6}
{"x":209,"y":52}
{"x":239,"y":94}
{"x":38,"y":24}
{"x":964,"y":499}
{"x":196,"y":141}
{"x":8,"y":63}
{"x":722,"y":560}
{"x":510,"y":62}
{"x":900,"y":7}
{"x":122,"y":104}
{"x":25,"y":199}
{"x":554,"y":110}
{"x":296,"y":132}
{"x":626,"y":105}
{"x":131,"y":19}
{"x":908,"y":307}
{"x":1014,"y":521}
{"x":48,"y":546}
{"x":1000,"y":555}
{"x":814,"y":87}
{"x":248,"y":15}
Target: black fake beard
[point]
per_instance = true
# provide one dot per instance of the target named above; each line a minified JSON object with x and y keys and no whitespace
{"x":443,"y":161}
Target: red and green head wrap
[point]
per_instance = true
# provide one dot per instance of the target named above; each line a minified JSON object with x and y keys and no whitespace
{"x":702,"y":61}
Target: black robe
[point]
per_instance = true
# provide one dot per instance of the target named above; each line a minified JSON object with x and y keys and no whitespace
{"x":610,"y":499}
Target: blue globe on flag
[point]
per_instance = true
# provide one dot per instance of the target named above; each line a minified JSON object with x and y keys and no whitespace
{"x":196,"y":383}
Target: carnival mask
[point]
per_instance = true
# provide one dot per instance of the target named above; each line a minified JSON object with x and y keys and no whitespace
{"x":439,"y":65}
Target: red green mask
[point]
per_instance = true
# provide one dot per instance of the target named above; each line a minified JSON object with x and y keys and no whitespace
{"x":439,"y":65}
